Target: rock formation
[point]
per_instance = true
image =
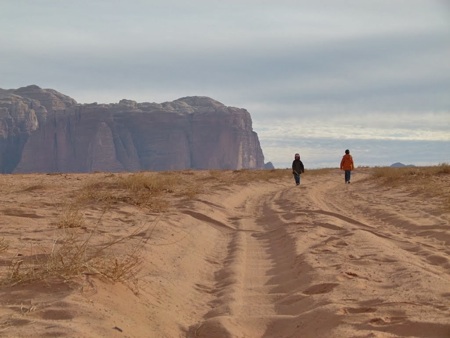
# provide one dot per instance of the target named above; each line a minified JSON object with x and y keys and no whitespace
{"x":42,"y":130}
{"x":401,"y":165}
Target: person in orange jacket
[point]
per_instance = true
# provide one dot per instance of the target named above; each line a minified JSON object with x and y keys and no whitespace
{"x":347,"y":165}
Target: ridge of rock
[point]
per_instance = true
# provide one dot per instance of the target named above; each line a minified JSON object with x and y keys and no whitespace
{"x":43,"y":130}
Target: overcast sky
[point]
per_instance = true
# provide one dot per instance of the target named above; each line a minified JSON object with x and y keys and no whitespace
{"x":316,"y":76}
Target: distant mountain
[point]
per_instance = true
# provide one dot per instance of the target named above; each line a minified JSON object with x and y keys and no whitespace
{"x":400,"y":165}
{"x":42,"y":130}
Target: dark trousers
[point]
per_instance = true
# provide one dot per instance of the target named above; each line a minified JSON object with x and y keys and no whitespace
{"x":297,"y":178}
{"x":347,"y":175}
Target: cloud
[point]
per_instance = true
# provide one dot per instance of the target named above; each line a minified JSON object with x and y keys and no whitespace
{"x":372,"y":70}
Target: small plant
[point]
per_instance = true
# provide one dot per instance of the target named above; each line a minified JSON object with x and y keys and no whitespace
{"x":15,"y":273}
{"x":422,"y":180}
{"x":318,"y":172}
{"x":142,"y":189}
{"x":154,"y":183}
{"x":443,"y":169}
{"x":97,"y":191}
{"x":247,"y":175}
{"x":74,"y":251}
{"x":71,"y":218}
{"x":3,"y":245}
{"x":390,"y":174}
{"x":34,"y":187}
{"x":120,"y":268}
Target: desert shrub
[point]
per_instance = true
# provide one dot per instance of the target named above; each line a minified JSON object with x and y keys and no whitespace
{"x":390,"y":174}
{"x":153,"y":183}
{"x":139,"y":189}
{"x":3,"y":245}
{"x":443,"y":169}
{"x":75,"y":252}
{"x":318,"y":172}
{"x":123,"y":267}
{"x":222,"y":178}
{"x":71,"y":217}
{"x":97,"y":190}
{"x":257,"y":175}
{"x":34,"y":187}
{"x":427,"y":181}
{"x":248,"y":175}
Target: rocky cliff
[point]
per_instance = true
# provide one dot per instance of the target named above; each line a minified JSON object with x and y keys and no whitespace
{"x":42,"y":130}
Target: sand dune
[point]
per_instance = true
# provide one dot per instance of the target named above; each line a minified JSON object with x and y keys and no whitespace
{"x":259,"y":259}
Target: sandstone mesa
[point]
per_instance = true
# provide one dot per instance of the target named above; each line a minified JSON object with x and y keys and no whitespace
{"x":43,"y":130}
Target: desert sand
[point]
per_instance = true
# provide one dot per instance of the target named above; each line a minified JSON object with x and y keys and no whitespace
{"x":236,"y":258}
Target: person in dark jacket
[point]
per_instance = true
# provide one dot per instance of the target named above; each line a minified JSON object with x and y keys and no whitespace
{"x":297,"y":168}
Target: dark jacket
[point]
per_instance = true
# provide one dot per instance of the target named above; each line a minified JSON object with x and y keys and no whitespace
{"x":297,"y":167}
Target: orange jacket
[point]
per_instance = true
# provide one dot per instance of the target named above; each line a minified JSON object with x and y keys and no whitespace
{"x":347,"y":162}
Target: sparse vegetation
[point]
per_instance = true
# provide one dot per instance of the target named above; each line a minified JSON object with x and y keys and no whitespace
{"x":34,"y":187}
{"x":317,"y":172}
{"x":145,"y":190}
{"x":243,"y":176}
{"x":399,"y":175}
{"x":75,"y":252}
{"x":79,"y":247}
{"x":423,"y":180}
{"x":246,"y":176}
{"x":3,"y":245}
{"x":71,"y":217}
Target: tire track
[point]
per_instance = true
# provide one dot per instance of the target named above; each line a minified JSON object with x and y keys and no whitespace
{"x":254,"y":274}
{"x":304,"y":262}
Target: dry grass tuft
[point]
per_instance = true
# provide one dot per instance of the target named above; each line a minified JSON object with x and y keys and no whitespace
{"x":243,"y":176}
{"x":442,"y":169}
{"x":423,"y":180}
{"x":3,"y":245}
{"x":318,"y":172}
{"x":97,"y":191}
{"x":147,"y":190}
{"x":408,"y":174}
{"x":220,"y":178}
{"x":81,"y":248}
{"x":154,"y":183}
{"x":76,"y":252}
{"x":71,"y":217}
{"x":34,"y":187}
{"x":246,"y":175}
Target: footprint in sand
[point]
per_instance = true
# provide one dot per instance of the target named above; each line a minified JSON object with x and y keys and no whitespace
{"x":320,"y":289}
{"x":387,"y":320}
{"x":352,"y":310}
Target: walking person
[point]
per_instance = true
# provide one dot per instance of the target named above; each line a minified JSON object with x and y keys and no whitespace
{"x":347,"y":165}
{"x":297,"y":168}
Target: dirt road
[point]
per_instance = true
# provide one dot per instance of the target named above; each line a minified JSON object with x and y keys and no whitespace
{"x":241,"y":259}
{"x":327,"y":259}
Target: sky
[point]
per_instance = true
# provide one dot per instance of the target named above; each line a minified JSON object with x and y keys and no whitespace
{"x":317,"y":77}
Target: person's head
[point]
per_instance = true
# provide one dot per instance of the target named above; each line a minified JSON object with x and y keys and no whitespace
{"x":297,"y":156}
{"x":347,"y":151}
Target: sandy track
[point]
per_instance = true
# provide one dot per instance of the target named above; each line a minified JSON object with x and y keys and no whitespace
{"x":326,"y":259}
{"x":264,"y":259}
{"x":244,"y":303}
